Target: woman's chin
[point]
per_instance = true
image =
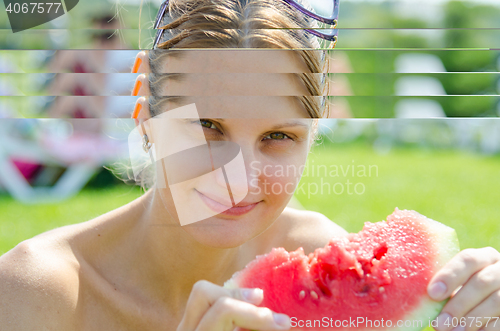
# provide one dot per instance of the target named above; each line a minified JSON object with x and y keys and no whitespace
{"x":219,"y":232}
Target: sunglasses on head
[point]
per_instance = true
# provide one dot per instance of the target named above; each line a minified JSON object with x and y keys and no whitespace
{"x":323,"y":11}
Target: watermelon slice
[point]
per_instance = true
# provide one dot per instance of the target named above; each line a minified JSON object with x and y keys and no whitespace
{"x":372,"y":280}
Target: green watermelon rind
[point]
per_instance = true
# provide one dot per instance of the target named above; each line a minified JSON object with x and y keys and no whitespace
{"x":232,"y":283}
{"x":447,"y":246}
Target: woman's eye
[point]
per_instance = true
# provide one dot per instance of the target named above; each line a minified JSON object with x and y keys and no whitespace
{"x":277,"y":136}
{"x":208,"y":124}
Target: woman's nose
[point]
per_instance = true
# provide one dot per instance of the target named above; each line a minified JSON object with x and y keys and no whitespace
{"x":236,"y":172}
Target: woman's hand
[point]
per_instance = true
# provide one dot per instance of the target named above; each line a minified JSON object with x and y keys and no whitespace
{"x":477,"y":273}
{"x":214,"y":308}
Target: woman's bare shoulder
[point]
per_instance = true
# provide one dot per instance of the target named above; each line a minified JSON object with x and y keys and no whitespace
{"x":307,"y":229}
{"x":38,"y":287}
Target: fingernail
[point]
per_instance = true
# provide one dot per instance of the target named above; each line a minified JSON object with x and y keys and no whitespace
{"x":137,"y":87}
{"x":137,"y":64}
{"x":252,"y":294}
{"x":137,"y":109}
{"x":442,"y":320}
{"x":459,"y":328}
{"x":437,"y":290}
{"x":281,"y":320}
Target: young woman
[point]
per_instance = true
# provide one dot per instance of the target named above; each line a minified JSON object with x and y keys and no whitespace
{"x":138,"y":268}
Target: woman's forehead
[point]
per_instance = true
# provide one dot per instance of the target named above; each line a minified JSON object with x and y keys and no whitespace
{"x":249,"y":107}
{"x":231,"y":84}
{"x":234,"y":61}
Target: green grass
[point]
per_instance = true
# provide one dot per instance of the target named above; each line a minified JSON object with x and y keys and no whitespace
{"x":19,"y":222}
{"x":456,"y":188}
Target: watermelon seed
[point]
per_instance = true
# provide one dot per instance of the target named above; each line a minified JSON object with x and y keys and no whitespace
{"x":302,"y":294}
{"x":314,"y":295}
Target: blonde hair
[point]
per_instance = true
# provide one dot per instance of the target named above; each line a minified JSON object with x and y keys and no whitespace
{"x":241,"y":24}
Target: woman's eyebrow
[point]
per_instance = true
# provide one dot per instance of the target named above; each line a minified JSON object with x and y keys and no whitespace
{"x":290,"y":124}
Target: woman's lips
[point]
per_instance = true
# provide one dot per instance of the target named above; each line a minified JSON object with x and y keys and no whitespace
{"x":239,"y":209}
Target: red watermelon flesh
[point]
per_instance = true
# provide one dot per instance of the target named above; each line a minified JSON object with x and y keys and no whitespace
{"x":379,"y":274}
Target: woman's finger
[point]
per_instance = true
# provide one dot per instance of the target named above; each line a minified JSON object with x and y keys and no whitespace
{"x":459,"y":269}
{"x":480,"y":286}
{"x":228,"y":313}
{"x":485,"y":313}
{"x":204,"y":294}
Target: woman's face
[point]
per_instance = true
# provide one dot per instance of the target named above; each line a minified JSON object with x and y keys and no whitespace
{"x":256,"y":145}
